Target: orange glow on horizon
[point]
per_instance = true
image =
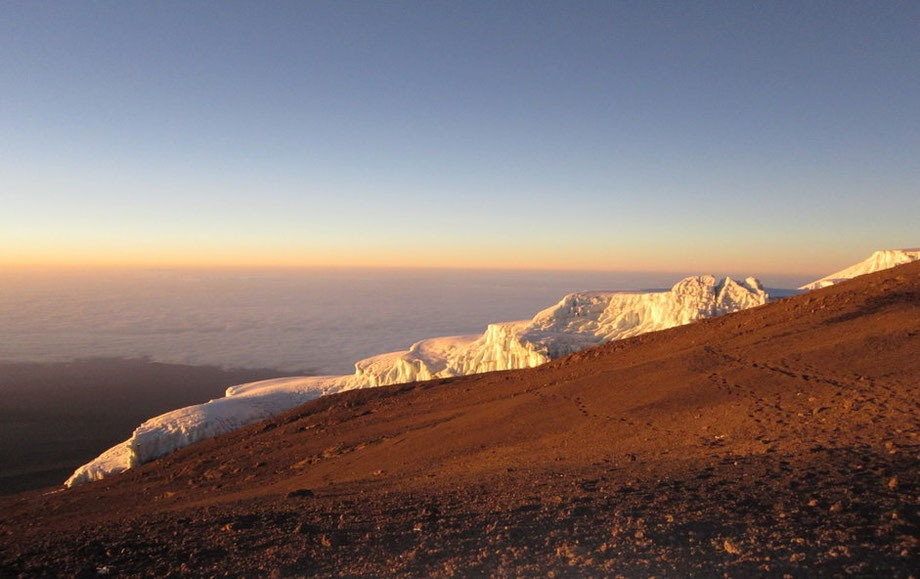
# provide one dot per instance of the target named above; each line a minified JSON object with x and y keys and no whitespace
{"x":605,"y":259}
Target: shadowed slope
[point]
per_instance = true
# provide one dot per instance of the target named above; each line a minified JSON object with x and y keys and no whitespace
{"x":777,"y":439}
{"x":51,"y":420}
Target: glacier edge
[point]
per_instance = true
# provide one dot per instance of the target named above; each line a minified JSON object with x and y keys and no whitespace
{"x":577,"y":321}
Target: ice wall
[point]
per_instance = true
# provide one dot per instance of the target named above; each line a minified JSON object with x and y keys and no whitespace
{"x":577,"y":322}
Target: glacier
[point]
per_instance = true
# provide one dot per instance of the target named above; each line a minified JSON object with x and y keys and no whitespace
{"x":578,"y":321}
{"x":882,"y":259}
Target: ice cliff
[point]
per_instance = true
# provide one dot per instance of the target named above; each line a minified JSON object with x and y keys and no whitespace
{"x":577,"y":322}
{"x":878,"y":261}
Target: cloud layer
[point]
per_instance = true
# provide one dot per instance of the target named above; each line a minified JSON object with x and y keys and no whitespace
{"x":314,"y":321}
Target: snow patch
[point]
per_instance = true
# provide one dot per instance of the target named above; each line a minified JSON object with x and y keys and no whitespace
{"x":878,"y":261}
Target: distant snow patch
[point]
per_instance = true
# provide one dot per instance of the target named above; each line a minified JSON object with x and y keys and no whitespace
{"x":878,"y":261}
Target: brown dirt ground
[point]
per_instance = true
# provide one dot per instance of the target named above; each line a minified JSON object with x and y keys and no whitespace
{"x":781,"y":440}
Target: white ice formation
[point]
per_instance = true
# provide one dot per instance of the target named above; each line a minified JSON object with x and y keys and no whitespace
{"x":883,"y":259}
{"x":577,"y":322}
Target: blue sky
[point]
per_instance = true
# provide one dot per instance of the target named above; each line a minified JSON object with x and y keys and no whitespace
{"x":764,"y":137}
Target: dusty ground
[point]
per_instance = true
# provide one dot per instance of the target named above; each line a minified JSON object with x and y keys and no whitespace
{"x":779,"y":440}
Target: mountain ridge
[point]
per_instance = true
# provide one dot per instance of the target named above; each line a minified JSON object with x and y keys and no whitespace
{"x":576,"y":322}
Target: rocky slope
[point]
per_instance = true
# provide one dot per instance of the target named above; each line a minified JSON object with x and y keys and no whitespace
{"x":781,"y":440}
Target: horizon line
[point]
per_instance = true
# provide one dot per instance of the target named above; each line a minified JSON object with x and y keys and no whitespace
{"x":377,"y":267}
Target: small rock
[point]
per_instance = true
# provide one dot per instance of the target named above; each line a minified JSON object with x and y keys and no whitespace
{"x":836,"y":507}
{"x":730,"y":548}
{"x":893,"y":483}
{"x":568,"y":552}
{"x":430,"y":511}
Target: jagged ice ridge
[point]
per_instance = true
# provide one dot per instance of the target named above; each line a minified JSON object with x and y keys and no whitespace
{"x":578,"y":321}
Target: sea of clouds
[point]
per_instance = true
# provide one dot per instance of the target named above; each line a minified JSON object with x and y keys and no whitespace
{"x":298,"y":321}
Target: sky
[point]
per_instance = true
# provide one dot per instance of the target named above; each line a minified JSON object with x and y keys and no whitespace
{"x":746,"y":136}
